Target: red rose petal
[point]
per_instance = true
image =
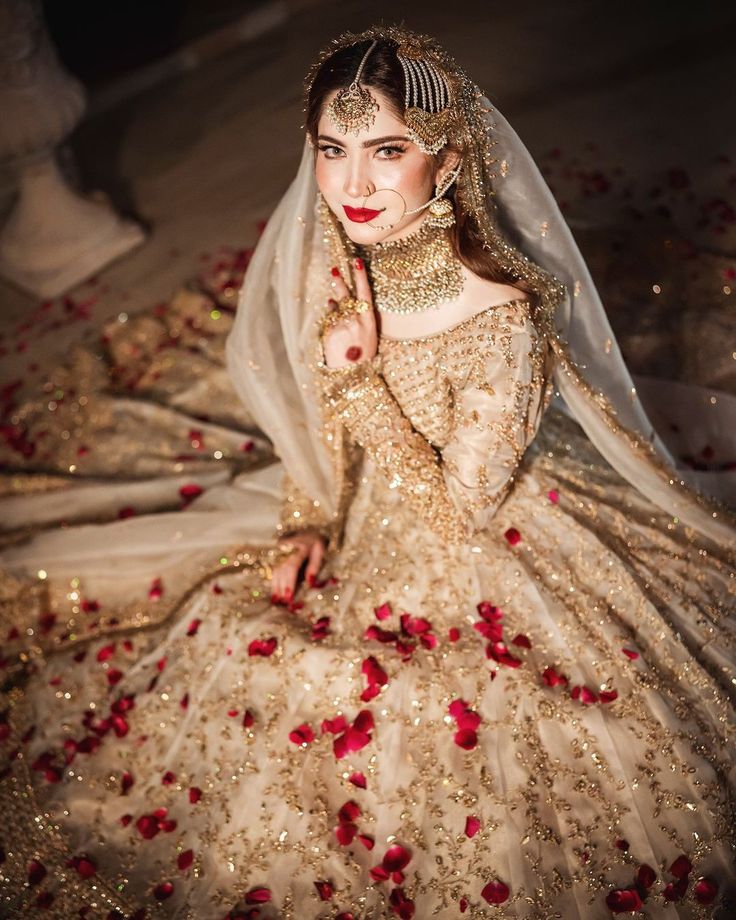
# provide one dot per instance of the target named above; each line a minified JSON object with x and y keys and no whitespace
{"x":630,"y":653}
{"x":36,"y":872}
{"x":148,"y":826}
{"x":495,"y":892}
{"x":195,"y":794}
{"x":258,"y":896}
{"x":358,"y":779}
{"x":345,"y":833}
{"x":623,"y":901}
{"x":472,"y":826}
{"x":263,"y":647}
{"x":705,"y":891}
{"x":349,"y":811}
{"x":466,"y":739}
{"x":646,"y":876}
{"x":163,"y":891}
{"x":512,"y":536}
{"x":383,"y":612}
{"x":681,"y":867}
{"x":396,"y":858}
{"x":379,"y":874}
{"x":193,"y":627}
{"x":324,"y":890}
{"x":675,"y":891}
{"x":521,"y":640}
{"x":401,"y":905}
{"x":302,"y":734}
{"x":367,"y":841}
{"x":185,"y":859}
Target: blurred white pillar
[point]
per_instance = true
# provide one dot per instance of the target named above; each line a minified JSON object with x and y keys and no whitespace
{"x":54,"y":237}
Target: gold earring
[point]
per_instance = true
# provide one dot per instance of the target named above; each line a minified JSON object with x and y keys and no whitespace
{"x":441,"y":212}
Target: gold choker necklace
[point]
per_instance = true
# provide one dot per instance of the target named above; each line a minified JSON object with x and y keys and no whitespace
{"x":416,"y":273}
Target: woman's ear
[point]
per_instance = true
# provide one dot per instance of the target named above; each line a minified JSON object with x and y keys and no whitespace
{"x":450,"y":160}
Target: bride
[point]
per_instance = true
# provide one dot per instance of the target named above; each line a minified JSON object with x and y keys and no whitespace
{"x":495,"y":673}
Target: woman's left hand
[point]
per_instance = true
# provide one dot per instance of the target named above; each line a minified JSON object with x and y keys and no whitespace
{"x":354,"y":339}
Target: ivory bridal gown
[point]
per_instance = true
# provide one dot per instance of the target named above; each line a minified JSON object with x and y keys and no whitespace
{"x":533,"y":721}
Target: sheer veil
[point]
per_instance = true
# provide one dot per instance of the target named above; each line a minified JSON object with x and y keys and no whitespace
{"x":271,"y":349}
{"x":272,"y":354}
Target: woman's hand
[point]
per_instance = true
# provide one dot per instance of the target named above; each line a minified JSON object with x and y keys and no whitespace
{"x":310,"y":546}
{"x":354,"y":339}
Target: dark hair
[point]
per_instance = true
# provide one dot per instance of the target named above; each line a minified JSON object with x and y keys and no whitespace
{"x":383,"y":72}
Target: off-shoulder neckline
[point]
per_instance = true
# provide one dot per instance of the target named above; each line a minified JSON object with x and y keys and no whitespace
{"x":456,"y":326}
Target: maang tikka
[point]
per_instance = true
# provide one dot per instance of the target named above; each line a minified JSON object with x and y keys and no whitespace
{"x":354,"y":109}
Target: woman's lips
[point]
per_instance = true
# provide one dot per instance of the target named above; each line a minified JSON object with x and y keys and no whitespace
{"x":360,"y":215}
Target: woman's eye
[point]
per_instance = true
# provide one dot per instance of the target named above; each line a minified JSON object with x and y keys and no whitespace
{"x":330,"y":152}
{"x":391,"y":153}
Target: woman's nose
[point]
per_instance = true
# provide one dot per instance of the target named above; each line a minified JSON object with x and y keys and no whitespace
{"x":357,"y":184}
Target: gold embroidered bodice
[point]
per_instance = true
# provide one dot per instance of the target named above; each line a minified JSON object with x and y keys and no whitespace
{"x":446,"y":418}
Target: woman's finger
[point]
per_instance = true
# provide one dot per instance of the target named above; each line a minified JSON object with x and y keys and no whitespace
{"x":316,"y":556}
{"x":339,"y":287}
{"x":362,"y":284}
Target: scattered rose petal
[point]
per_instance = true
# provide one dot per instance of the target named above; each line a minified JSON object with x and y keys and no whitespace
{"x":263,"y":647}
{"x":324,"y":890}
{"x":163,"y":891}
{"x":675,"y":891}
{"x":646,"y":876}
{"x":36,"y":872}
{"x":681,"y":867}
{"x":185,"y":859}
{"x":396,"y":858}
{"x":401,"y":905}
{"x":302,"y":734}
{"x":705,"y":891}
{"x":512,"y":536}
{"x":630,"y":653}
{"x":195,"y":794}
{"x":358,"y":779}
{"x":466,"y":739}
{"x":258,"y":896}
{"x":521,"y":640}
{"x":554,"y":496}
{"x":495,"y":892}
{"x":623,"y":901}
{"x":383,"y":612}
{"x":553,"y":679}
{"x":193,"y":627}
{"x":472,"y":826}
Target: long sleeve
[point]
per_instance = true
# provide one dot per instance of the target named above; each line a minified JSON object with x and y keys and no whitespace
{"x":300,"y":512}
{"x":456,"y":489}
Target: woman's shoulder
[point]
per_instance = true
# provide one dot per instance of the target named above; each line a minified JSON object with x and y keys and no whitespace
{"x":480,"y":294}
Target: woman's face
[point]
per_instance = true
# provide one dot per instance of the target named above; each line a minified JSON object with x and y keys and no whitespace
{"x":360,"y":175}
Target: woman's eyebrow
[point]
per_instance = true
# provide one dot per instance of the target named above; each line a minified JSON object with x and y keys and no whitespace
{"x":371,"y":143}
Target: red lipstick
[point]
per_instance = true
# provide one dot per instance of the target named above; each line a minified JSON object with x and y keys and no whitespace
{"x":360,"y":215}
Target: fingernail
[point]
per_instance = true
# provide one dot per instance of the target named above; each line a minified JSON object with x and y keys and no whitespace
{"x":359,"y":264}
{"x":289,"y":594}
{"x":335,"y":271}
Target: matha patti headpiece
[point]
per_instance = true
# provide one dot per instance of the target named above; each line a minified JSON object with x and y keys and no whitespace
{"x":354,"y":109}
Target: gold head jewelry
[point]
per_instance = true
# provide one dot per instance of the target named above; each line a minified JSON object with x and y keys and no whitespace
{"x":443,"y":104}
{"x":354,"y":109}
